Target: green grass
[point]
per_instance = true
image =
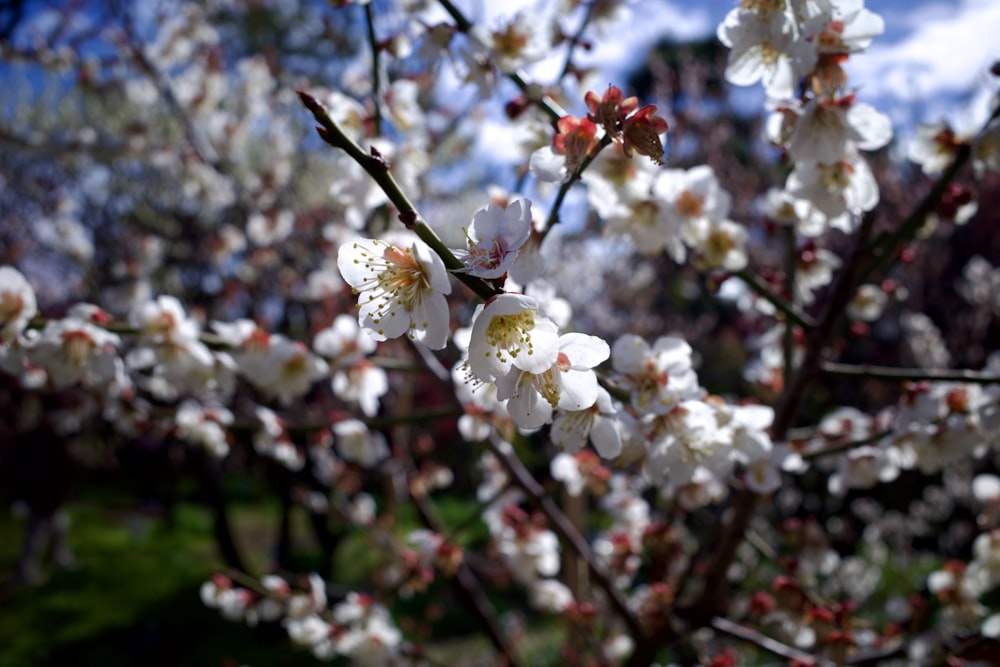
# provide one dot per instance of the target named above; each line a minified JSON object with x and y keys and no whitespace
{"x":132,"y":597}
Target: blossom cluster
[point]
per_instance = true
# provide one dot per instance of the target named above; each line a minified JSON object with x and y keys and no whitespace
{"x":638,"y":472}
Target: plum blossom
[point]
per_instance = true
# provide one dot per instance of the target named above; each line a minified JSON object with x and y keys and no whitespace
{"x":827,"y":128}
{"x":400,"y":290}
{"x":354,"y":378}
{"x":358,"y":444}
{"x":523,"y":40}
{"x":868,"y":303}
{"x":764,"y":46}
{"x":204,"y":425}
{"x":935,"y":146}
{"x":569,"y":383}
{"x":17,"y":303}
{"x":693,"y":436}
{"x":74,"y":351}
{"x":511,"y":331}
{"x":657,"y":376}
{"x":841,"y":27}
{"x":572,"y":428}
{"x":839,"y":190}
{"x":494,"y":238}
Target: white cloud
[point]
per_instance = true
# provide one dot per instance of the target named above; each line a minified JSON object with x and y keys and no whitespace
{"x":932,"y":55}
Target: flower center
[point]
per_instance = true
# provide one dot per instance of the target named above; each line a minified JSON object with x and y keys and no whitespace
{"x":690,"y":204}
{"x":403,"y":278}
{"x":511,"y":333}
{"x":77,"y":346}
{"x":11,"y":306}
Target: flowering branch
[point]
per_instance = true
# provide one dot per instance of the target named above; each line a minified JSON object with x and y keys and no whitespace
{"x":885,"y":249}
{"x":568,"y":534}
{"x":544,"y":102}
{"x":467,"y":584}
{"x":377,"y":168}
{"x":564,"y":188}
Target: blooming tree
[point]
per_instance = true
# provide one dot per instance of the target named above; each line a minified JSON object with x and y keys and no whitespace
{"x":339,"y":306}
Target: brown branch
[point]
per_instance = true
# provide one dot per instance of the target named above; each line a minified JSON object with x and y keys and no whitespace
{"x":570,"y":537}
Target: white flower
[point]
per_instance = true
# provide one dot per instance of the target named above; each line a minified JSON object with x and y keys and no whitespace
{"x":695,"y":199}
{"x":784,"y":209}
{"x":203,"y":425}
{"x":164,"y":321}
{"x":839,"y":190}
{"x":764,"y":46}
{"x":868,"y":303}
{"x":358,"y":444}
{"x":355,"y":378}
{"x":569,"y":383}
{"x":658,"y":376}
{"x":550,"y":595}
{"x":828,"y":128}
{"x":839,"y":26}
{"x":565,"y":468}
{"x":723,"y":246}
{"x":72,"y":350}
{"x":935,"y":146}
{"x":571,"y":428}
{"x":401,"y":291}
{"x":494,"y":237}
{"x":510,"y":331}
{"x":522,"y":41}
{"x":17,"y":303}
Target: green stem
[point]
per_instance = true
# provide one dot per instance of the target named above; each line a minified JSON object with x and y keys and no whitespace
{"x":378,"y":168}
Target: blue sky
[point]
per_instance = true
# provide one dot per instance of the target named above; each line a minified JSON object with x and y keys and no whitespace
{"x":933,"y":54}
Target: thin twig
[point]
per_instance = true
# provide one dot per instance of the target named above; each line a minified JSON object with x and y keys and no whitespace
{"x":787,"y":309}
{"x":872,"y":372}
{"x":545,"y":102}
{"x":763,"y":642}
{"x":569,"y":535}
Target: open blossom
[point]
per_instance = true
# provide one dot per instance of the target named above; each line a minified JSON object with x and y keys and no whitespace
{"x":400,"y":290}
{"x":72,"y":350}
{"x":204,"y":425}
{"x":17,"y":303}
{"x":764,"y":46}
{"x":494,"y":238}
{"x":935,"y":146}
{"x":838,"y":189}
{"x":569,"y":383}
{"x":511,"y":331}
{"x":828,"y":128}
{"x":525,"y":39}
{"x":356,"y":443}
{"x":354,"y":378}
{"x":572,"y":428}
{"x":837,"y":27}
{"x":657,"y":376}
